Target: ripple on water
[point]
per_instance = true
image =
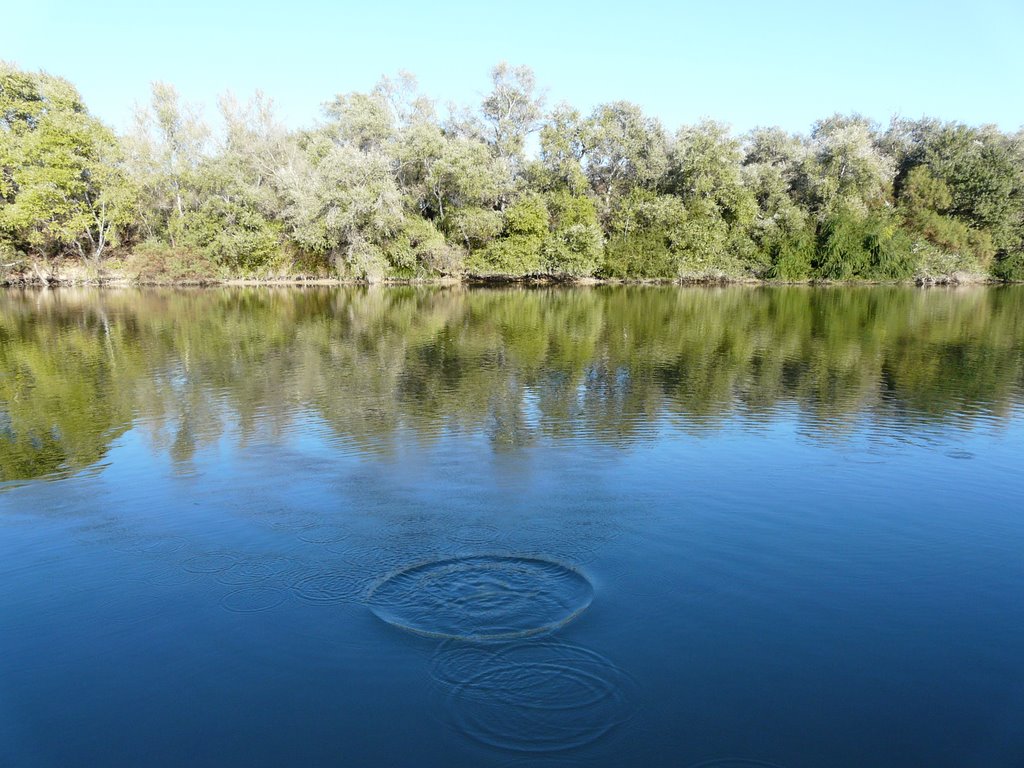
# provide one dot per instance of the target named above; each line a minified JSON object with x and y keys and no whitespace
{"x":476,"y":537}
{"x":163,"y":545}
{"x":329,"y":586}
{"x":210,"y":562}
{"x":253,"y":599}
{"x":377,"y":558}
{"x":161,"y":574}
{"x":537,"y":697}
{"x":481,"y":598}
{"x":962,"y":455}
{"x":254,"y":569}
{"x":323,"y":533}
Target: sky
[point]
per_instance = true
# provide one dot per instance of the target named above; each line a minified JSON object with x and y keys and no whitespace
{"x":744,"y":63}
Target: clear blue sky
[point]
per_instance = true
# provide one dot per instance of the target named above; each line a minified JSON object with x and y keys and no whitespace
{"x":747,"y":63}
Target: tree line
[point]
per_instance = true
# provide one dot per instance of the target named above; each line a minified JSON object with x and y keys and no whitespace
{"x":385,"y":186}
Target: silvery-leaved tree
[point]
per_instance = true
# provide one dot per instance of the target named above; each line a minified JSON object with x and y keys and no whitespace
{"x":163,"y":153}
{"x":343,"y":204}
{"x":512,"y":110}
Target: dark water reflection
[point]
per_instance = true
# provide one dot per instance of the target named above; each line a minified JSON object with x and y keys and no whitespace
{"x":665,"y":527}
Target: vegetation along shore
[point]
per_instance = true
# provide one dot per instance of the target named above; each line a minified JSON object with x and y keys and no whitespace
{"x":387,"y":187}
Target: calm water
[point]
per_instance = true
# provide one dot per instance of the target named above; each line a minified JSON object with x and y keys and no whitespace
{"x":600,"y":527}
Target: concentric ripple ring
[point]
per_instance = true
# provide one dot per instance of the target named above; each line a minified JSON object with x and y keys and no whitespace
{"x":482,"y":597}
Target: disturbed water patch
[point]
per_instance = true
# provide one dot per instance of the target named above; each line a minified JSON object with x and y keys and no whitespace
{"x":163,"y":545}
{"x":159,"y":574}
{"x":256,"y":568}
{"x":962,"y":455}
{"x":210,"y":562}
{"x":328,"y":586}
{"x":322,"y":533}
{"x":482,"y":597}
{"x":253,"y":599}
{"x":537,"y":696}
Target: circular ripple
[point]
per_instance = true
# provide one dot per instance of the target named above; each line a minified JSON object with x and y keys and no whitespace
{"x":210,"y":562}
{"x":485,"y":597}
{"x":476,"y":536}
{"x":376,"y":559}
{"x":540,"y":697}
{"x":457,"y":662}
{"x":253,"y":599}
{"x":329,"y":586}
{"x":161,"y":575}
{"x":255,"y":569}
{"x":163,"y":545}
{"x":323,"y":533}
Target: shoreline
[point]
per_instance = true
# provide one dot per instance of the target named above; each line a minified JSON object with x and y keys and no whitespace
{"x":471,"y":281}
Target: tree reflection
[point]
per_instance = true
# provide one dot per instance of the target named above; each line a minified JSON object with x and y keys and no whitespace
{"x":78,"y":368}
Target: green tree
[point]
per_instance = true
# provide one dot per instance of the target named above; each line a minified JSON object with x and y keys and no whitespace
{"x":622,"y":150}
{"x":62,"y":187}
{"x":512,"y":110}
{"x":163,"y":154}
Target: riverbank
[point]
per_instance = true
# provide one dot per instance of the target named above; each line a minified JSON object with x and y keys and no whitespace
{"x":81,"y":274}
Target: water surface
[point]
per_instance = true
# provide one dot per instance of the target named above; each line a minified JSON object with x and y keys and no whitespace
{"x":450,"y":527}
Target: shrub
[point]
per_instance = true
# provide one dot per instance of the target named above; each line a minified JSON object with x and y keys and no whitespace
{"x":153,"y":261}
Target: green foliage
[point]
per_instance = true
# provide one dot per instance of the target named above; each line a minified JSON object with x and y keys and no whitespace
{"x":153,"y":261}
{"x":985,"y":179}
{"x":624,"y":150}
{"x":517,"y":255}
{"x":1010,"y":267}
{"x":791,"y":255}
{"x":645,"y":254}
{"x":232,"y":234}
{"x":646,"y":229}
{"x":383,"y":188}
{"x":573,"y":251}
{"x":473,"y":227}
{"x":850,"y":167}
{"x":62,"y":190}
{"x":924,"y":200}
{"x":512,"y":110}
{"x":853,"y":245}
{"x":527,"y":217}
{"x":518,"y":252}
{"x":420,"y":250}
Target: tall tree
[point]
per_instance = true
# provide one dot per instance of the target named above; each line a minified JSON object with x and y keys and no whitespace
{"x":62,"y":188}
{"x":512,"y":110}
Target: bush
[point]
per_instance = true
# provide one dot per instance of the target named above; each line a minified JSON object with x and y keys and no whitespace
{"x":231,"y":234}
{"x":518,"y":256}
{"x":791,"y":256}
{"x":925,"y":201}
{"x":362,"y":260}
{"x":1010,"y":267}
{"x":474,"y":228}
{"x":645,"y":255}
{"x":153,"y":261}
{"x":867,"y":246}
{"x":420,"y":250}
{"x":574,"y":251}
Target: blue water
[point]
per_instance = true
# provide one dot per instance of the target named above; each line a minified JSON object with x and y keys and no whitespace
{"x":603,"y":527}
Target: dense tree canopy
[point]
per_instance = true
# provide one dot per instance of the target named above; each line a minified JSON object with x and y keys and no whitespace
{"x":383,"y":187}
